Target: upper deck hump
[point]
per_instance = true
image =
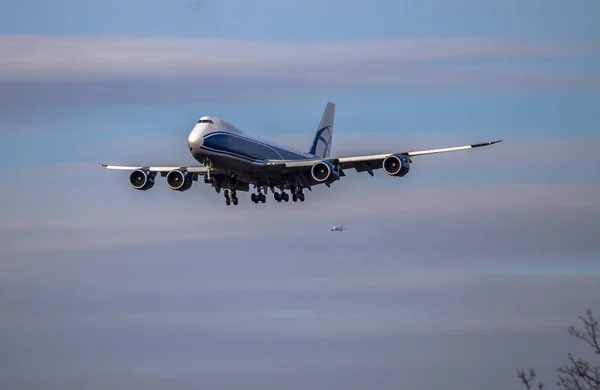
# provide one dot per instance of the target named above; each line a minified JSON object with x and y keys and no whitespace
{"x":287,"y":152}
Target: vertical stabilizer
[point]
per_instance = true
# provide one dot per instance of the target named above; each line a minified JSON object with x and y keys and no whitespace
{"x":321,"y":145}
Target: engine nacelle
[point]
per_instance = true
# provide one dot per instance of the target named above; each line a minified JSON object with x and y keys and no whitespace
{"x":141,"y":179}
{"x":396,"y":165}
{"x":179,"y":180}
{"x":324,"y":171}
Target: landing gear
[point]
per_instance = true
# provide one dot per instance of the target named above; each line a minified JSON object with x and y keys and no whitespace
{"x":207,"y":177}
{"x":297,"y":194}
{"x":230,"y":197}
{"x":259,"y":197}
{"x":281,"y":196}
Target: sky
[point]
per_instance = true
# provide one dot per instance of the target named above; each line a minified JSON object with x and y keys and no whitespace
{"x":471,"y":266}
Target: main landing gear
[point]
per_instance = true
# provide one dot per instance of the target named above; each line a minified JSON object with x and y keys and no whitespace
{"x":230,"y":197}
{"x":281,"y":196}
{"x":258,"y":197}
{"x":297,"y":194}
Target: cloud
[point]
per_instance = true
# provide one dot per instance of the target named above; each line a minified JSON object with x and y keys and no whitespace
{"x":78,"y":58}
{"x":423,"y":61}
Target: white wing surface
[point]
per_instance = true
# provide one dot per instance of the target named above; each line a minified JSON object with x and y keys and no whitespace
{"x":368,"y":162}
{"x":162,"y":170}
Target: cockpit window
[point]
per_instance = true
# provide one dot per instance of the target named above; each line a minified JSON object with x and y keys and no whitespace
{"x":205,"y":121}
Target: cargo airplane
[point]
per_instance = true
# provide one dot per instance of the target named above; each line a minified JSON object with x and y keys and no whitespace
{"x":232,"y":160}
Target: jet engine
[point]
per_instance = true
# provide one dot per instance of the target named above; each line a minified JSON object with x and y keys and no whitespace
{"x":324,"y":171}
{"x":141,"y":179}
{"x":396,"y":165}
{"x":179,"y":180}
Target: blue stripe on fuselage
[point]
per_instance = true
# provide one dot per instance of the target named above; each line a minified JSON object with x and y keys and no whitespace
{"x":248,"y":148}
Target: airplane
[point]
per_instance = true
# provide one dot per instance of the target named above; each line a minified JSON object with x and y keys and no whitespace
{"x":338,"y":229}
{"x":233,"y":160}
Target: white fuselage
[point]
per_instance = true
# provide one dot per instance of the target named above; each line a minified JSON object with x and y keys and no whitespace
{"x":224,"y":145}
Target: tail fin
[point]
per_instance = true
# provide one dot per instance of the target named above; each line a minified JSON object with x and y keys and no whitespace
{"x":321,"y":145}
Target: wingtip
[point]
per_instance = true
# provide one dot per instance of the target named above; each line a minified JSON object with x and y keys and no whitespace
{"x":102,"y":165}
{"x":485,"y":143}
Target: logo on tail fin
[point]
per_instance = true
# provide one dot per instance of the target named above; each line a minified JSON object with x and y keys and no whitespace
{"x":321,"y":145}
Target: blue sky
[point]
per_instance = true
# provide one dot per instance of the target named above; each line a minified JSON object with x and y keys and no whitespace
{"x":493,"y":249}
{"x":307,"y":20}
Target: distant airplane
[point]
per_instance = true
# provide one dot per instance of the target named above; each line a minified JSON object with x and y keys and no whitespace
{"x":233,"y":160}
{"x":340,"y":228}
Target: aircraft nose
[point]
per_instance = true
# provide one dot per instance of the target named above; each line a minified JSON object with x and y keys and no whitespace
{"x":195,"y":138}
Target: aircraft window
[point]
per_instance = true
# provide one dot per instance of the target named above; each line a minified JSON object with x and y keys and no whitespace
{"x":205,"y":121}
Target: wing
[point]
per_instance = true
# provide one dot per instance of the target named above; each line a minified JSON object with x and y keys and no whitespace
{"x":370,"y":162}
{"x":162,"y":170}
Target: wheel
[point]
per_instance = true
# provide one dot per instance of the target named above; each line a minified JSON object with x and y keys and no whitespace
{"x":235,"y":201}
{"x":227,"y":201}
{"x":253,"y":198}
{"x":301,"y":197}
{"x":263,"y":198}
{"x":276,"y":196}
{"x":294,"y":197}
{"x":286,"y":196}
{"x":226,"y":194}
